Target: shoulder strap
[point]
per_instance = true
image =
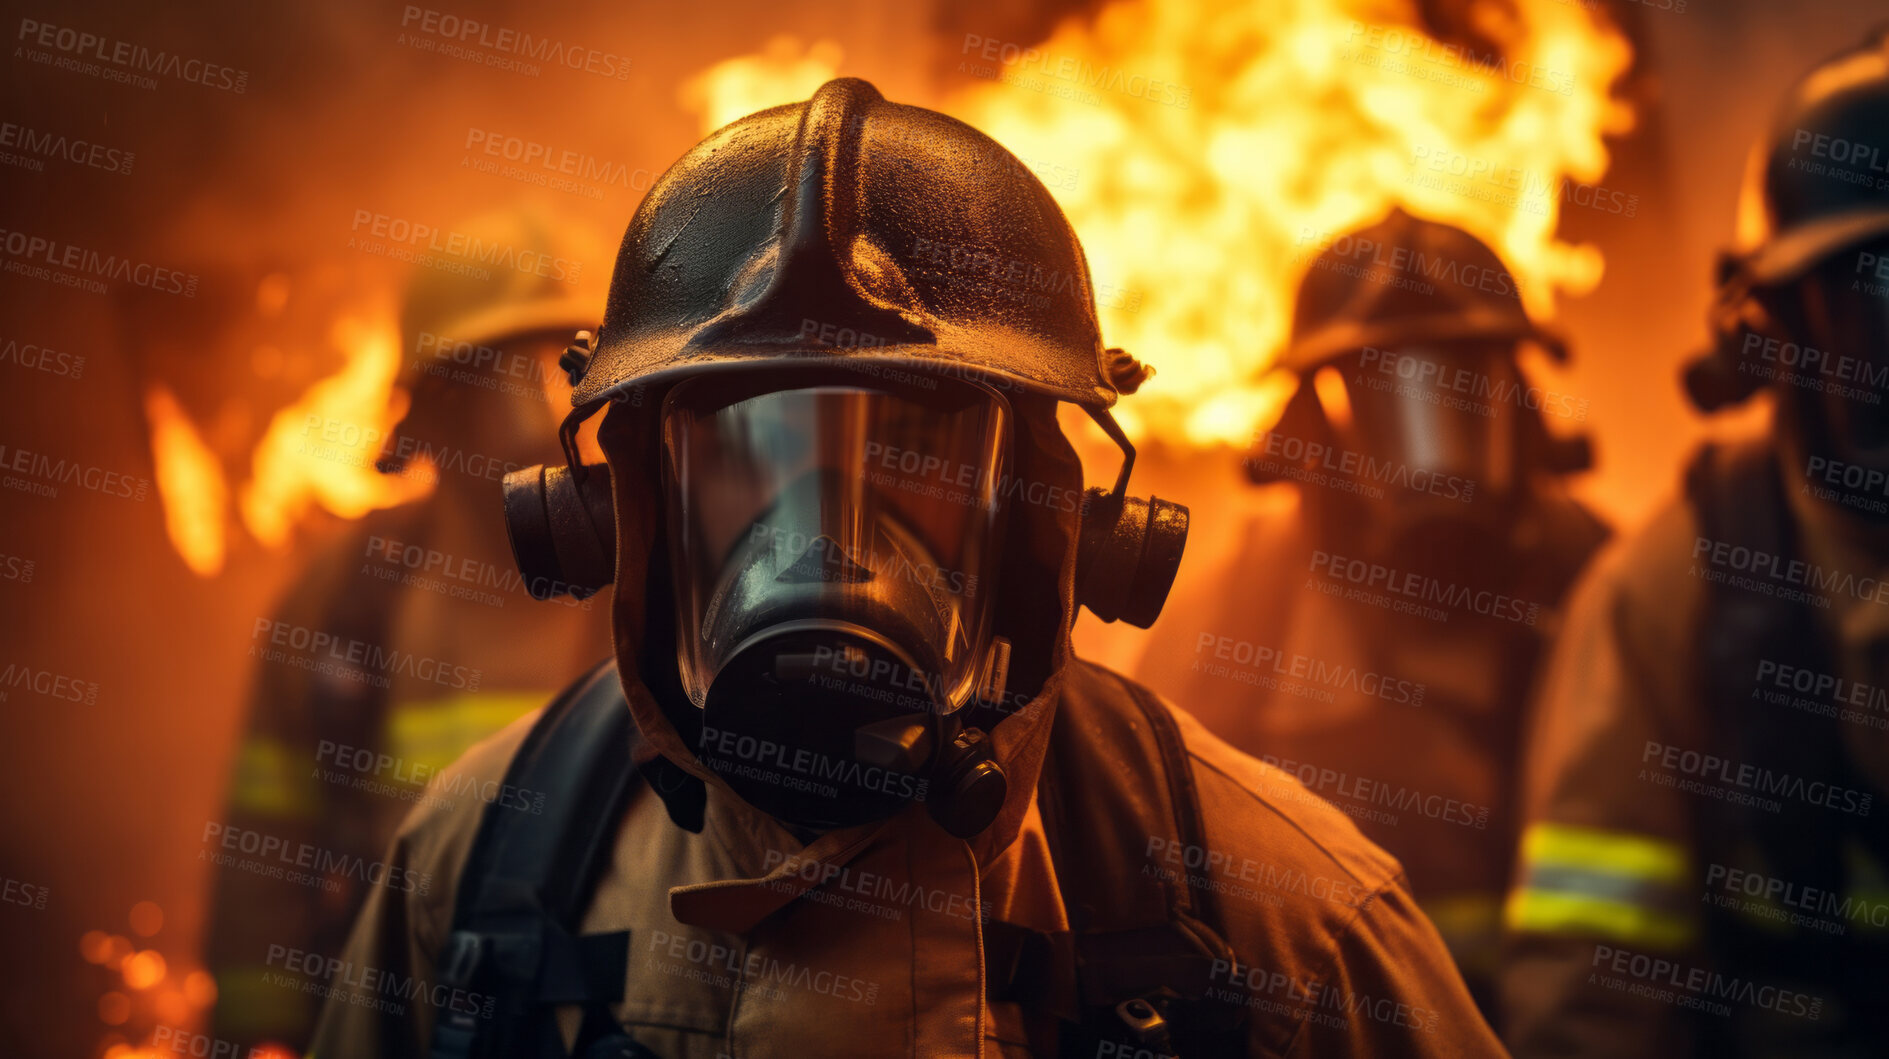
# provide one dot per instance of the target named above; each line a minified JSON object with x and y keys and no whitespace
{"x":529,"y":878}
{"x":1117,"y":777}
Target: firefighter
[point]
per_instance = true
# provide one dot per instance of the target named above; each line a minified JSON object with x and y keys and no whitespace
{"x":844,"y":789}
{"x":1701,"y":867}
{"x":437,"y":643}
{"x":1413,"y":444}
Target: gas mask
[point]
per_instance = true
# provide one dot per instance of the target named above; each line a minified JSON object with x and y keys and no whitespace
{"x":1428,"y":441}
{"x":833,"y":547}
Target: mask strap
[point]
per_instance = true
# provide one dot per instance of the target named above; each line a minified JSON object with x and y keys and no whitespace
{"x":567,"y":438}
{"x":1114,"y":430}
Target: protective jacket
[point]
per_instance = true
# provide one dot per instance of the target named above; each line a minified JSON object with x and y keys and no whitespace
{"x":1408,"y":720}
{"x":1700,"y":869}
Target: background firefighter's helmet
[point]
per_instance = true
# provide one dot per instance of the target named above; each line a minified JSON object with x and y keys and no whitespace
{"x":481,"y":319}
{"x":1405,"y":284}
{"x":848,"y":226}
{"x":1401,"y":282}
{"x":1817,"y":184}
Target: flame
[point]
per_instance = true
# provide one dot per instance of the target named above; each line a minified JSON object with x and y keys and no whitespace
{"x":782,"y":72}
{"x":322,"y":449}
{"x":190,"y":482}
{"x":1194,"y":144}
{"x":149,"y":991}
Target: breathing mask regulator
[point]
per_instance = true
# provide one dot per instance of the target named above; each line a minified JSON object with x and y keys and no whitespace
{"x":835,"y":550}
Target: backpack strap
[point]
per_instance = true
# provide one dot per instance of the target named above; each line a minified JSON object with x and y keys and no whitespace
{"x":530,"y":876}
{"x":1142,"y":944}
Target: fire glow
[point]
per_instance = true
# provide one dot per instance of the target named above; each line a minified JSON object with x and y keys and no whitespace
{"x":1214,"y":149}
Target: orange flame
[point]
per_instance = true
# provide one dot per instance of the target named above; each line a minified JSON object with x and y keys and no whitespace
{"x":322,"y":449}
{"x":782,"y":72}
{"x":190,"y":482}
{"x":1201,"y":150}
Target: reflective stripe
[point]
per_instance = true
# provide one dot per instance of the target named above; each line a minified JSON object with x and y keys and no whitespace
{"x":433,"y":733}
{"x":1613,"y":884}
{"x":1615,"y":852}
{"x":268,"y":782}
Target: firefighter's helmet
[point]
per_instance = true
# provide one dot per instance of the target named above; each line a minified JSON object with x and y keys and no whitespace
{"x":1816,"y":185}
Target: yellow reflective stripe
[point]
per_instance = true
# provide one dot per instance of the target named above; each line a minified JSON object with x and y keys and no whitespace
{"x":1618,"y":885}
{"x":1556,"y":912}
{"x":268,"y":782}
{"x":1614,"y":852}
{"x":433,"y":733}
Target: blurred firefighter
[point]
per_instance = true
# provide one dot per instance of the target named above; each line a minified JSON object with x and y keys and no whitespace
{"x":1701,"y":871}
{"x":440,"y":643}
{"x":1418,"y":448}
{"x":863,"y":800}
